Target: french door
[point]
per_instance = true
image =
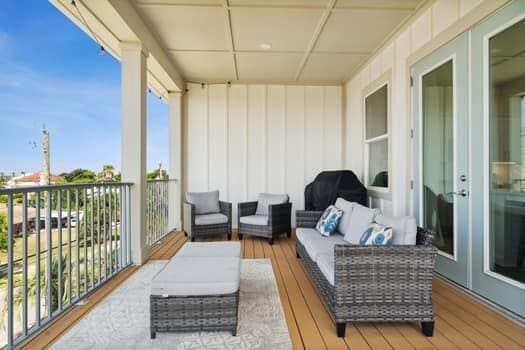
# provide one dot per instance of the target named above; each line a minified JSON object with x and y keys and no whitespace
{"x":469,"y":131}
{"x":441,"y":136}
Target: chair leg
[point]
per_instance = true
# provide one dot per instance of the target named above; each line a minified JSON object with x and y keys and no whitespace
{"x":192,"y":239}
{"x":229,"y":237}
{"x":270,"y":241}
{"x":185,"y":234}
{"x":289,"y":234}
{"x":240,"y":236}
{"x":341,"y":329}
{"x":153,"y":335}
{"x":297,"y":255}
{"x":427,"y":328}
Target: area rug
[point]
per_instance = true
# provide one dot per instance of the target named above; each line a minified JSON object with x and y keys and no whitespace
{"x":121,"y":321}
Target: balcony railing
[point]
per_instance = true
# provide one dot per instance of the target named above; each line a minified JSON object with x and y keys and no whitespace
{"x":59,"y":244}
{"x":158,"y":208}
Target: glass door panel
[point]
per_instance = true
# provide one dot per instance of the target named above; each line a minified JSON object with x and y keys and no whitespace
{"x":438,"y":155}
{"x":441,"y":134}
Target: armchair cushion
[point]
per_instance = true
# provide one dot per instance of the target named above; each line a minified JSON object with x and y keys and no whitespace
{"x":361,"y":218}
{"x":259,"y":220}
{"x":267,"y":199}
{"x":404,"y":228}
{"x":204,"y":202}
{"x":210,"y":219}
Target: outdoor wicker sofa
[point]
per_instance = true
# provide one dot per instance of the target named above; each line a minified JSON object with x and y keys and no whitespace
{"x":197,"y":224}
{"x":276,"y":222}
{"x":373,"y":283}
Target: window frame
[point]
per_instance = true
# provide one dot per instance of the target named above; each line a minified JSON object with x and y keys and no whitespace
{"x":379,"y":83}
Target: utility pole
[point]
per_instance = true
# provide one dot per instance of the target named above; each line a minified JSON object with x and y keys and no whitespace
{"x":45,"y":177}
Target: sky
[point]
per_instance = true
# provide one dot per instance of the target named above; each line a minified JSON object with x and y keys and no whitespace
{"x":52,"y":73}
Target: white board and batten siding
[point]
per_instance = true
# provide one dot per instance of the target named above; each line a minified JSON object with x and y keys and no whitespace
{"x":247,"y":139}
{"x":430,"y":23}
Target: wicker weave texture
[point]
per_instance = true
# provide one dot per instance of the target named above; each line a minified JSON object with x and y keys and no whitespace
{"x":194,"y":313}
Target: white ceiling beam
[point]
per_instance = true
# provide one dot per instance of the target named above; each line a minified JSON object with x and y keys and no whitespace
{"x":228,"y":23}
{"x":129,"y":14}
{"x":315,"y":37}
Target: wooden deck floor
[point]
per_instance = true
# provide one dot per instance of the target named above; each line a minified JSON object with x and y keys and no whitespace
{"x":461,"y":322}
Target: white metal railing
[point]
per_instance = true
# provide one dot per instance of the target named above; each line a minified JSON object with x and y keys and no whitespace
{"x":158,"y":196}
{"x":58,"y":244}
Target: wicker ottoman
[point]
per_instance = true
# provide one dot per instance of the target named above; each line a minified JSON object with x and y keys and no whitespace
{"x":196,"y":293}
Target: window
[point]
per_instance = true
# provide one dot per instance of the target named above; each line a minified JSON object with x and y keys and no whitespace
{"x":376,"y":138}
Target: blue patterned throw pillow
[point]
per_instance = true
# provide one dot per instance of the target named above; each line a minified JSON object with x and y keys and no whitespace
{"x":377,"y":234}
{"x":329,"y":220}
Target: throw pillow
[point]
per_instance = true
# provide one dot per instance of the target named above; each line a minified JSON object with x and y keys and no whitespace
{"x":360,"y":219}
{"x":347,"y":208}
{"x":377,"y":234}
{"x":328,"y":222}
{"x":204,"y":202}
{"x":267,"y":199}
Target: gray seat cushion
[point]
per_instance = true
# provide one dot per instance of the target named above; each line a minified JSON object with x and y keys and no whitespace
{"x":259,"y":220}
{"x":326,"y":263}
{"x":347,"y":208}
{"x":266,"y":199}
{"x":315,"y":244}
{"x":204,"y":202}
{"x":360,"y":219}
{"x":210,"y":219}
{"x":404,"y":228}
{"x":190,"y":276}
{"x":210,"y":249}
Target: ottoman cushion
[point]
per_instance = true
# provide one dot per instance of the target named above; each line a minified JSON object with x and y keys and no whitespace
{"x":189,"y":276}
{"x":210,"y":249}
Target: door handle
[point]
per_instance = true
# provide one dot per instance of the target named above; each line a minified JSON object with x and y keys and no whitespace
{"x":462,"y":193}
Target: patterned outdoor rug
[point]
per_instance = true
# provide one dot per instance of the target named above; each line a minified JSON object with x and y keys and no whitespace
{"x":121,"y":321}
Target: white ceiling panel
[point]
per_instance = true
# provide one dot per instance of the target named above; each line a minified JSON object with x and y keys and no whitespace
{"x":358,"y":31}
{"x":284,"y":30}
{"x":391,"y":4}
{"x":263,"y":3}
{"x":188,"y":27}
{"x":205,"y":66}
{"x":330,"y":67}
{"x":273,"y":67}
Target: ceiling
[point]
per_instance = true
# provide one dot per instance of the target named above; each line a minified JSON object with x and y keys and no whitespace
{"x":312,"y":41}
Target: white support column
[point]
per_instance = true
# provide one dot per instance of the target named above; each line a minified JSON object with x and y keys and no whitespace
{"x":175,"y":159}
{"x":133,"y":147}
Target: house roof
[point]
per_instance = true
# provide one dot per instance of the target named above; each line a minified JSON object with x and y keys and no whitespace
{"x":34,"y":177}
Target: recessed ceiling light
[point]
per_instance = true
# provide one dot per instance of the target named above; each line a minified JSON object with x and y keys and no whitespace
{"x":265,"y":46}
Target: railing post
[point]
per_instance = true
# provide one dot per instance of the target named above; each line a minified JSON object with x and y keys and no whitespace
{"x":133,"y":84}
{"x":175,"y":159}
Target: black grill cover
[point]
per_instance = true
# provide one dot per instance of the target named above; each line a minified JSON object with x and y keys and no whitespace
{"x":330,"y":185}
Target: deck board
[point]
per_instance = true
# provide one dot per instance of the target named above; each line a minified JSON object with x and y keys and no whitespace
{"x":461,"y":322}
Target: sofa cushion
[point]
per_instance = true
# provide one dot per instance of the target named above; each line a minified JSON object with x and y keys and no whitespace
{"x":376,"y":234}
{"x":347,"y":208}
{"x":266,"y":199}
{"x":326,"y":263}
{"x":210,"y":249}
{"x":404,"y":228}
{"x":186,"y":276}
{"x":259,"y":220}
{"x":315,"y":244}
{"x":210,"y":219}
{"x":328,"y":222}
{"x":360,"y":219}
{"x":204,"y":202}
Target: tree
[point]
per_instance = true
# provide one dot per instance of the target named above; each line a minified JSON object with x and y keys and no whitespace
{"x":80,"y":176}
{"x":3,"y":232}
{"x":154,"y":175}
{"x":107,"y":174}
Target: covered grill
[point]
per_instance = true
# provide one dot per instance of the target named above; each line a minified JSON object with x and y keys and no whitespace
{"x":329,"y":185}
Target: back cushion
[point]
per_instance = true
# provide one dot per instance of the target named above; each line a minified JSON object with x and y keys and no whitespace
{"x":403,"y":227}
{"x":204,"y":202}
{"x":346,"y":207}
{"x":360,"y":220}
{"x":266,"y":199}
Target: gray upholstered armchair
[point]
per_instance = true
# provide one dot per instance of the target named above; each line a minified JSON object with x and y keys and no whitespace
{"x":268,"y":217}
{"x":204,"y":215}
